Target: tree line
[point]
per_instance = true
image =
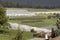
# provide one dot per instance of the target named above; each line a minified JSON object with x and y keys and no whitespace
{"x":19,"y":5}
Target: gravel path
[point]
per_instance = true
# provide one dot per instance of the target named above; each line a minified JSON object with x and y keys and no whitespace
{"x":27,"y":28}
{"x":19,"y":13}
{"x":37,"y":39}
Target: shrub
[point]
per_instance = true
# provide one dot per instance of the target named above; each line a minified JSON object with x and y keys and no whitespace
{"x":53,"y":33}
{"x":32,"y":30}
{"x":49,"y":17}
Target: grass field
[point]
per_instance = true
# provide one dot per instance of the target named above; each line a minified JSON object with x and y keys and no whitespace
{"x":37,"y":21}
{"x":34,"y":9}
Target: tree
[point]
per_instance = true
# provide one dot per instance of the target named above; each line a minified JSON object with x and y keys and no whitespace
{"x":3,"y":17}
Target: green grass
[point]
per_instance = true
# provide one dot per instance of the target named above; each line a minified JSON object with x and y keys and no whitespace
{"x":5,"y":37}
{"x":34,"y":9}
{"x":37,"y":24}
{"x":12,"y":34}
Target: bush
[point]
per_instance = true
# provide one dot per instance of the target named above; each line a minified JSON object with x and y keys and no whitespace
{"x":57,"y":15}
{"x":3,"y":31}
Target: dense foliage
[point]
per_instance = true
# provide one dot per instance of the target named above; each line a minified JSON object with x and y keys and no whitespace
{"x":53,"y":33}
{"x":3,"y":17}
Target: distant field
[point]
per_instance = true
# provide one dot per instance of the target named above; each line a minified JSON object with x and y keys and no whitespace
{"x":34,"y":9}
{"x":36,"y":21}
